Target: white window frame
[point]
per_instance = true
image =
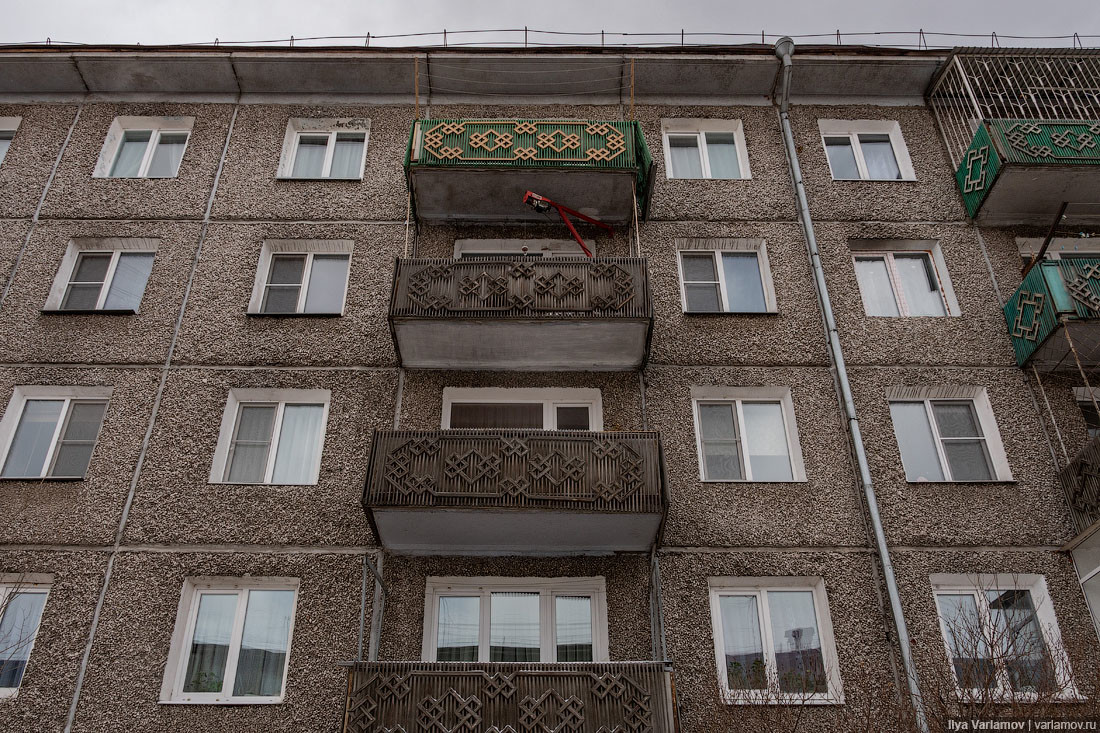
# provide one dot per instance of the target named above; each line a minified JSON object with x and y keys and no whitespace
{"x":113,"y":246}
{"x":699,"y":127}
{"x":1059,"y":247}
{"x":156,"y":126}
{"x":759,"y":587}
{"x":23,"y":583}
{"x":717,"y":247}
{"x":551,"y":399}
{"x":175,"y":674}
{"x":309,"y":248}
{"x":738,"y":396}
{"x":516,"y":247}
{"x":9,"y":125}
{"x":986,"y":420}
{"x":280,"y":398}
{"x":852,"y":129}
{"x":298,"y":126}
{"x":547,"y":588}
{"x":890,"y":247}
{"x":69,"y":394}
{"x":976,"y":585}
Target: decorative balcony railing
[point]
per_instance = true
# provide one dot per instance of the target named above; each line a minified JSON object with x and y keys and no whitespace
{"x":1055,"y":292}
{"x":459,"y":697}
{"x":1081,"y":481}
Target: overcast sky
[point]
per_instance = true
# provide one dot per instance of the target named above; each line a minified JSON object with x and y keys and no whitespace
{"x":164,"y":21}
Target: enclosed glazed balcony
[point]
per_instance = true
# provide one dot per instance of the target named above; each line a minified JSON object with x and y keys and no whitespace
{"x":580,"y":697}
{"x":1054,"y":316}
{"x":506,"y":313}
{"x":479,"y":170}
{"x":515,"y":491}
{"x":1023,"y":130}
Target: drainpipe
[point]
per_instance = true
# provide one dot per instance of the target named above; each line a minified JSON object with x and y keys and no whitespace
{"x":783,"y":49}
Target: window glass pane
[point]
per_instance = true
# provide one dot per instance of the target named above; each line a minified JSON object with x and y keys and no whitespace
{"x":327,"y":279}
{"x":799,"y":661}
{"x":91,"y":268}
{"x":875,"y":287}
{"x":744,"y":288}
{"x":1019,"y":640}
{"x":210,"y":643}
{"x":81,"y":297}
{"x":248,"y":462}
{"x":19,"y":619}
{"x":309,"y":160}
{"x":573,"y":628}
{"x":457,"y":629}
{"x":1091,"y":587}
{"x":722,"y":154}
{"x":5,"y":143}
{"x":514,"y":627}
{"x":919,"y":285}
{"x":130,"y":152}
{"x":956,"y":419}
{"x":572,"y":418}
{"x":75,"y":450}
{"x":683,"y":150}
{"x":721,"y":446}
{"x":968,"y":460}
{"x":699,"y":268}
{"x":33,"y":438}
{"x":167,"y":155}
{"x":918,"y":447}
{"x":497,"y":415}
{"x":744,"y":651}
{"x":286,"y":270}
{"x":703,"y":298}
{"x":767,"y":441}
{"x":966,"y":640}
{"x":1092,"y":418}
{"x":128,"y":283}
{"x":280,"y":299}
{"x":878,"y":154}
{"x":264,"y":643}
{"x":299,"y":444}
{"x":717,"y":422}
{"x":842,"y":160}
{"x":347,"y":156}
{"x":722,"y":462}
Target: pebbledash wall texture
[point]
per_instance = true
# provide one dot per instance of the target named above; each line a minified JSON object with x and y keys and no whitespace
{"x":767,"y":600}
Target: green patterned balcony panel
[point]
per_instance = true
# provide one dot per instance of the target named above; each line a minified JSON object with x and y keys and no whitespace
{"x":1057,"y":296}
{"x":478,"y":170}
{"x":1020,"y":171}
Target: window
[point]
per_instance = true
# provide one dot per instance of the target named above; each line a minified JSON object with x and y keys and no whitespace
{"x":301,"y":277}
{"x":1087,"y":403}
{"x":324,"y":148}
{"x":50,"y":432}
{"x":144,"y":147}
{"x":1059,"y":248}
{"x":106,"y":275}
{"x":705,"y":149}
{"x":531,"y":409}
{"x":947,"y":434}
{"x":1086,"y":560}
{"x":481,"y":248}
{"x":8,"y":127}
{"x":22,"y":598}
{"x":725,"y":276}
{"x":866,"y":149}
{"x":773,"y":640}
{"x":746,"y":434}
{"x":515,"y":620}
{"x":232,"y":641}
{"x":1001,"y":636}
{"x":271,"y":436}
{"x":903,"y":283}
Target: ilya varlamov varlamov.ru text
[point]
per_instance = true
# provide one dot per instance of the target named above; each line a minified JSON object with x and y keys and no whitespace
{"x":1022,"y":725}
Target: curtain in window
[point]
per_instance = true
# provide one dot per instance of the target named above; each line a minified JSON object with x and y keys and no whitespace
{"x":766,"y":436}
{"x":799,"y":662}
{"x":33,"y":438}
{"x":309,"y":160}
{"x":684,"y":152}
{"x":457,"y":629}
{"x":514,"y":627}
{"x":264,"y":642}
{"x":743,"y":649}
{"x":875,"y":287}
{"x":878,"y":154}
{"x":744,"y":288}
{"x":573,"y":628}
{"x":167,"y":156}
{"x":327,"y":279}
{"x":210,"y":643}
{"x":722,"y":154}
{"x":347,"y":156}
{"x":919,"y":284}
{"x":299,"y":444}
{"x":130,"y":152}
{"x":128,"y":283}
{"x":966,"y":639}
{"x":18,"y":625}
{"x":915,"y":439}
{"x":497,"y":415}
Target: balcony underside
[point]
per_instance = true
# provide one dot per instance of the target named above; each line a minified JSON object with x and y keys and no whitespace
{"x":1055,"y":355}
{"x":587,"y":344}
{"x":1033,"y":194}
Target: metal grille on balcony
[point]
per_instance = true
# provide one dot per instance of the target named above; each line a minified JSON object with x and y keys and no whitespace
{"x":1081,"y":481}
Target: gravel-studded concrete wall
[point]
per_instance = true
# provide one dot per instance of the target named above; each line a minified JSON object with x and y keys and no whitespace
{"x":80,"y":512}
{"x":32,"y":154}
{"x":76,"y":194}
{"x":28,"y":335}
{"x":12,"y":236}
{"x":126,"y":669}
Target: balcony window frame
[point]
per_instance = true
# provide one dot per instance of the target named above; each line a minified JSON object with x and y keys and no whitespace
{"x":156,"y":127}
{"x":550,"y":398}
{"x":699,"y":127}
{"x":548,"y":589}
{"x":514,"y":248}
{"x":9,"y":126}
{"x":13,"y":583}
{"x":759,"y":587}
{"x":183,"y":632}
{"x":717,"y":248}
{"x":864,"y":248}
{"x":112,"y":246}
{"x":68,"y":395}
{"x":852,"y":129}
{"x":297,"y":127}
{"x":737,"y":396}
{"x":308,"y":248}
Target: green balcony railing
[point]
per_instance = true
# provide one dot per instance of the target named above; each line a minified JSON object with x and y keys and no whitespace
{"x":1052,"y":290}
{"x":1000,"y":143}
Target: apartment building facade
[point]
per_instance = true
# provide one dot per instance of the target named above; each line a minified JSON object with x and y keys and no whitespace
{"x":315,"y":420}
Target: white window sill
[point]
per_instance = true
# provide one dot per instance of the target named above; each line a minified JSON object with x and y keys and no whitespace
{"x":318,"y":178}
{"x":674,"y":178}
{"x":226,"y":701}
{"x":257,"y":314}
{"x":731,"y":313}
{"x":971,"y":481}
{"x":979,"y":697}
{"x":750,"y":481}
{"x":749,"y":699}
{"x":39,"y":478}
{"x":8,"y":693}
{"x":257,"y":483}
{"x":879,"y":180}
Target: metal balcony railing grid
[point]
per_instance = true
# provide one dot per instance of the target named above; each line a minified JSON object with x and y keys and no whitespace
{"x":522,"y":287}
{"x":1081,"y":481}
{"x":606,"y":472}
{"x":520,"y":697}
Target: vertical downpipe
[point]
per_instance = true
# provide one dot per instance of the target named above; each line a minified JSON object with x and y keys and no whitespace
{"x":783,"y":49}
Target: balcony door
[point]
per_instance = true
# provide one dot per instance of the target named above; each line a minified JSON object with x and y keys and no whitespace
{"x":522,"y":409}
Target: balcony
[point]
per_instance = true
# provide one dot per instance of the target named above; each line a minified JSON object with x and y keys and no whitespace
{"x":1054,"y":316}
{"x":543,"y":314}
{"x":1081,"y":481}
{"x":455,"y":492}
{"x":479,"y":170}
{"x":498,"y":697}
